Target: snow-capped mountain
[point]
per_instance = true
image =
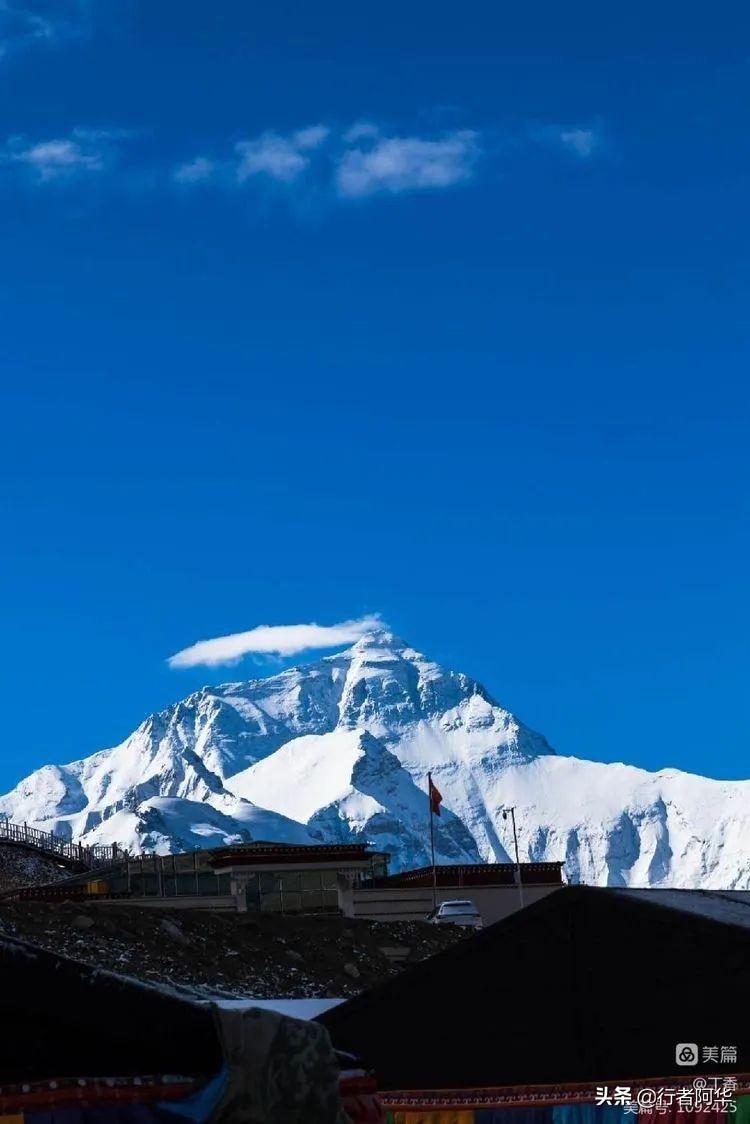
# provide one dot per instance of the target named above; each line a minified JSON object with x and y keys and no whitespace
{"x":340,"y":749}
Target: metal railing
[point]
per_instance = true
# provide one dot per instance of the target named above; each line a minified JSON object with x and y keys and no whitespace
{"x":58,"y":846}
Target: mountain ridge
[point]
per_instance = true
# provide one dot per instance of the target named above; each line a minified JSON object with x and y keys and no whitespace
{"x":339,"y":749}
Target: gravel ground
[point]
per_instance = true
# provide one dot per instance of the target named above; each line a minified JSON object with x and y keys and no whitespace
{"x":21,"y":867}
{"x":231,"y":955}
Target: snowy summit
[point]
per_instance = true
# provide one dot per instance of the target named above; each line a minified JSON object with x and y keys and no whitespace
{"x":339,"y":750}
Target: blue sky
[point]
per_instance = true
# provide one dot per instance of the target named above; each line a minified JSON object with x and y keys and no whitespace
{"x":432,"y":311}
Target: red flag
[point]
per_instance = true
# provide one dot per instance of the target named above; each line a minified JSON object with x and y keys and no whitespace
{"x":435,"y":799}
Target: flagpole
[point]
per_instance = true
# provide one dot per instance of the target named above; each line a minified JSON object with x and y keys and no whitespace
{"x":432,"y":842}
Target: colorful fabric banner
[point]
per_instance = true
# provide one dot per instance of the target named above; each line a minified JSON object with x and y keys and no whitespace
{"x":591,"y":1114}
{"x":109,"y":1114}
{"x":741,"y":1114}
{"x":580,"y":1113}
{"x":449,"y":1117}
{"x":513,"y":1116}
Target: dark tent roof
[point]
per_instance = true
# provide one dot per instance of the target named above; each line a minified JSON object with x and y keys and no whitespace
{"x":63,"y":1018}
{"x":586,"y":985}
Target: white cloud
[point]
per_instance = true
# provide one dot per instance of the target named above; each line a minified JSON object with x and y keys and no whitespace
{"x":281,"y":157}
{"x":279,"y":640}
{"x":345,"y":163}
{"x":361,"y":130}
{"x":396,"y":164}
{"x":59,"y":157}
{"x":195,"y":171}
{"x":367,"y":161}
{"x":83,"y":150}
{"x":582,"y":142}
{"x":311,"y":137}
{"x":22,"y":28}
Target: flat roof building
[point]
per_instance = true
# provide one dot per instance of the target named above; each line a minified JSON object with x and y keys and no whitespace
{"x":283,"y":878}
{"x":493,"y":887}
{"x":262,"y":875}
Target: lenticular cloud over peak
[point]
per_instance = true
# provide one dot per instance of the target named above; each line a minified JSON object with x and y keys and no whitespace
{"x":277,"y":640}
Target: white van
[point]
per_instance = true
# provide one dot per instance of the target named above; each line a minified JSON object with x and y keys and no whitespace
{"x":456,"y":913}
